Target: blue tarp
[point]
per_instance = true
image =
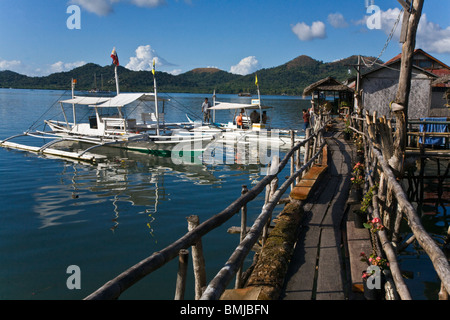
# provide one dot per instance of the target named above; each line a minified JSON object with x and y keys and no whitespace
{"x":431,"y":127}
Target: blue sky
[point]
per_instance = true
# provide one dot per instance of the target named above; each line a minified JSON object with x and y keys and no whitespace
{"x":236,"y":36}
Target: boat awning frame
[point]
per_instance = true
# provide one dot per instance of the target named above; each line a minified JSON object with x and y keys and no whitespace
{"x":85,"y":100}
{"x":119,"y":100}
{"x":232,"y":106}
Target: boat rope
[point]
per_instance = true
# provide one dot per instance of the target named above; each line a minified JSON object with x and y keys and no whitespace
{"x":42,"y":116}
{"x":388,"y":40}
{"x":182,"y":107}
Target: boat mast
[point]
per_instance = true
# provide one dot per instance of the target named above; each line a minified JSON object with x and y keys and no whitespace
{"x":259,"y":99}
{"x":117,"y":80}
{"x":214,"y":103}
{"x":74,"y":81}
{"x":115,"y":58}
{"x":156,"y":98}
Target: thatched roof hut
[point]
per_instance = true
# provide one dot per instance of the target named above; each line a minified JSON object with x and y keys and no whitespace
{"x":327,"y":84}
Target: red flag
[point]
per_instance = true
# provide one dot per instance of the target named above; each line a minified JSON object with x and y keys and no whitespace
{"x":115,"y":57}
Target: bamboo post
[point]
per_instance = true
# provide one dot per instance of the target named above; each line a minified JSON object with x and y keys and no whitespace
{"x":440,"y":262}
{"x":307,"y":147}
{"x":393,"y":264}
{"x":292,"y":158}
{"x":443,"y":293}
{"x":244,"y":215}
{"x":238,"y":282}
{"x":298,"y":164}
{"x":315,"y":144}
{"x":272,"y":189}
{"x":198,"y":259}
{"x":409,"y":28}
{"x":181,"y":275}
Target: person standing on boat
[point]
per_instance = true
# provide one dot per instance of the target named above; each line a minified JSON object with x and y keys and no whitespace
{"x":306,"y":118}
{"x":265,"y":118}
{"x":240,"y":120}
{"x":205,"y":109}
{"x":254,"y":116}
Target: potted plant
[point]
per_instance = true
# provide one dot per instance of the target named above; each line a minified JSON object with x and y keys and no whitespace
{"x":374,"y":277}
{"x":347,"y":131}
{"x":357,"y":182}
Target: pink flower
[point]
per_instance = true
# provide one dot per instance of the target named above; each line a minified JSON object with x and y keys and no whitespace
{"x":378,"y":258}
{"x":376,"y":220}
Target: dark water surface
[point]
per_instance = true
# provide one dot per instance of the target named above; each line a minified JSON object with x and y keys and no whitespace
{"x":104,"y":218}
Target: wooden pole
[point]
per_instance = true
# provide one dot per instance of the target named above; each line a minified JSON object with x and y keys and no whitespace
{"x":440,"y":262}
{"x":198,"y":259}
{"x":238,"y":282}
{"x":181,"y":275}
{"x":443,"y":293}
{"x":293,"y":158}
{"x":307,"y":147}
{"x":392,"y":257}
{"x":404,"y":83}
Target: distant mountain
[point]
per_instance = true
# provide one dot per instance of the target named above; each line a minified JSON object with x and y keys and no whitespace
{"x":290,"y":78}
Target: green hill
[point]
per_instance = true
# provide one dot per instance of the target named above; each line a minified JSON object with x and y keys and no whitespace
{"x":290,"y":78}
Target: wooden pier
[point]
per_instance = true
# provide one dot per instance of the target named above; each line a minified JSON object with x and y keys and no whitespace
{"x":317,"y":268}
{"x":311,"y":250}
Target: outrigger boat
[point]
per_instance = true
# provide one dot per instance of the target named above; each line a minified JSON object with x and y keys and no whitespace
{"x":113,"y":129}
{"x":249,"y":132}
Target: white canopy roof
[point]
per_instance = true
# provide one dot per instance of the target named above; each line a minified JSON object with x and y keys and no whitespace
{"x":123,"y":99}
{"x":229,"y":105}
{"x":119,"y":100}
{"x":86,"y":100}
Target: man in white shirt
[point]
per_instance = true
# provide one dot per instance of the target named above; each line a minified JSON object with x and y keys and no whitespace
{"x":205,"y":109}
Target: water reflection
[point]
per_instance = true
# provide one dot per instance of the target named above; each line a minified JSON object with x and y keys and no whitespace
{"x":127,"y":179}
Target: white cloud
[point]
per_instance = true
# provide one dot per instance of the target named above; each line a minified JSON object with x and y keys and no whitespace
{"x":430,"y":37}
{"x":64,"y":66}
{"x":246,"y":66}
{"x":99,"y":7}
{"x":105,"y":7}
{"x":337,"y":20}
{"x":175,"y":72}
{"x":305,"y":33}
{"x":148,"y":3}
{"x":10,"y":64}
{"x":144,"y":59}
{"x":43,"y":70}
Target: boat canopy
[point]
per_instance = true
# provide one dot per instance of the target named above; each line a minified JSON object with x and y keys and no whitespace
{"x":85,"y":100}
{"x":229,"y":106}
{"x":119,"y":100}
{"x":123,"y":99}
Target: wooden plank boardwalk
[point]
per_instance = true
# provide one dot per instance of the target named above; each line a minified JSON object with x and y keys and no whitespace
{"x":317,"y":269}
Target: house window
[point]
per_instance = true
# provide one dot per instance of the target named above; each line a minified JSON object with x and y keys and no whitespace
{"x":424,"y":63}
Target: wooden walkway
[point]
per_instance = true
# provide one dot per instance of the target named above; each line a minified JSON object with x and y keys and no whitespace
{"x":317,"y":269}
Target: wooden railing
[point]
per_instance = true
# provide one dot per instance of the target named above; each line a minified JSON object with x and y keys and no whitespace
{"x":391,"y":205}
{"x":115,"y":287}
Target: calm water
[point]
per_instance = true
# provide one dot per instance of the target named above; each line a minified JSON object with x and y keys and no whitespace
{"x":105,"y":218}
